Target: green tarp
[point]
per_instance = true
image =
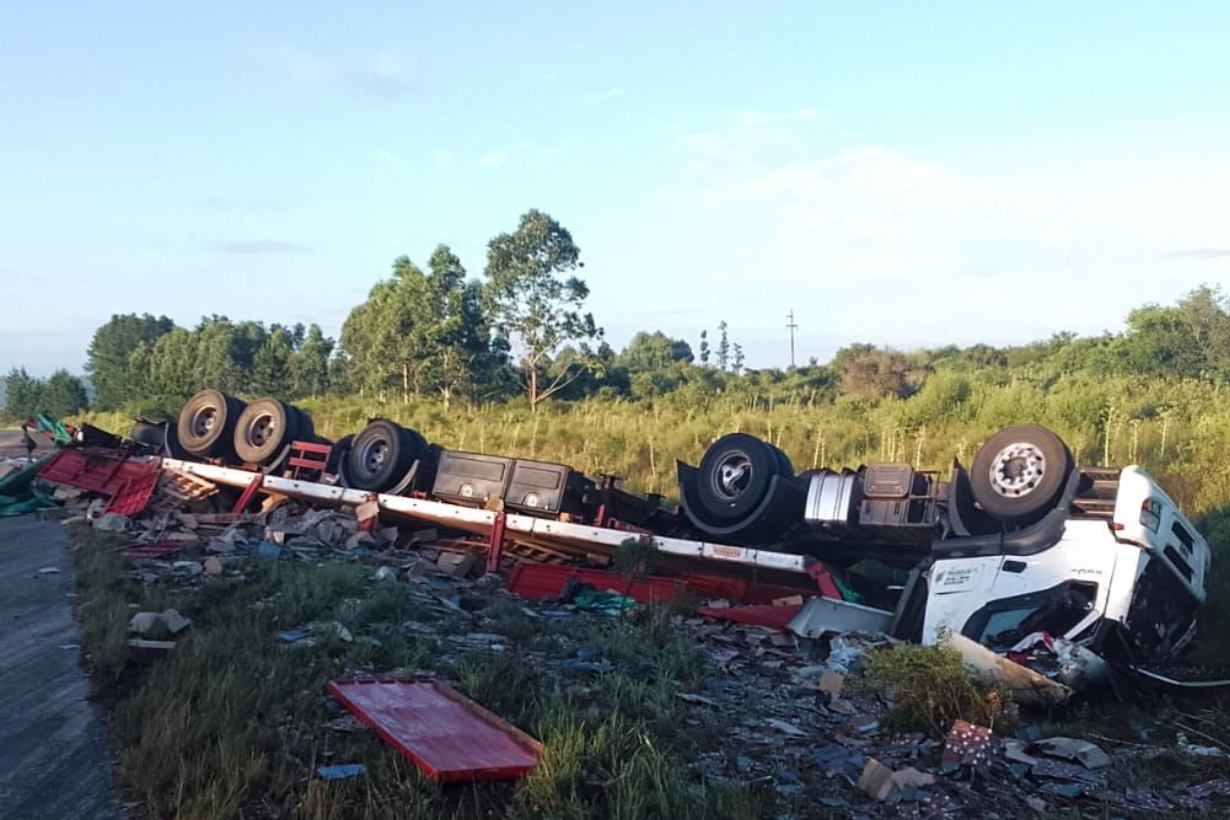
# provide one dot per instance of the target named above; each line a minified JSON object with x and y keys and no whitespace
{"x":19,"y":494}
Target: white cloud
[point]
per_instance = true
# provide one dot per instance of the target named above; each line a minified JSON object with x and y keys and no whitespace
{"x":493,"y":158}
{"x":380,"y":74}
{"x":258,"y":247}
{"x":520,"y":151}
{"x":610,"y":95}
{"x":757,"y":117}
{"x":1197,"y":253}
{"x":444,"y":159}
{"x":389,"y":157}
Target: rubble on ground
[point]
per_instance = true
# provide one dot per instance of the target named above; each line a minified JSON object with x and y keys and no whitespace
{"x":787,"y":714}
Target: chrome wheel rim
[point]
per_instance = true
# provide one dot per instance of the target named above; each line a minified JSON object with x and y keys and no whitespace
{"x":1017,"y":470}
{"x":732,"y":476}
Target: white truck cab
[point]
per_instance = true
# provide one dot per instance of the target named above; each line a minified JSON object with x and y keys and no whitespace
{"x":1125,"y":585}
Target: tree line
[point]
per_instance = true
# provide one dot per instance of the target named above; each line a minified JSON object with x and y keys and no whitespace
{"x":523,"y":329}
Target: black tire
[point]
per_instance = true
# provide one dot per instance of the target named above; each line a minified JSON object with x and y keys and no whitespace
{"x":379,"y":456}
{"x":783,"y":463}
{"x":341,"y":449}
{"x":417,"y":444}
{"x":306,"y":429}
{"x":734,"y":475}
{"x":206,"y":425}
{"x":1020,"y":472}
{"x":264,"y":428}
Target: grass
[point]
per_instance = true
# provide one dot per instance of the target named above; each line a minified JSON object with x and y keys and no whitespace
{"x":103,"y":597}
{"x":232,"y":722}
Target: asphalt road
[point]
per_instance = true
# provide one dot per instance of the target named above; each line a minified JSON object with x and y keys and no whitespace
{"x":53,"y":756}
{"x":10,"y":444}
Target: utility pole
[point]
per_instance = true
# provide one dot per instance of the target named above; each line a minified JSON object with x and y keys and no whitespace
{"x":792,"y":327}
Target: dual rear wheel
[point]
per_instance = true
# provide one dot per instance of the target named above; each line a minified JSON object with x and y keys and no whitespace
{"x":213,"y":424}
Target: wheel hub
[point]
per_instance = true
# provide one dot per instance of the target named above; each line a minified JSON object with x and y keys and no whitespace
{"x":732,"y":476}
{"x":373,"y":456}
{"x":203,"y":421}
{"x":1017,"y":470}
{"x":261,"y":430}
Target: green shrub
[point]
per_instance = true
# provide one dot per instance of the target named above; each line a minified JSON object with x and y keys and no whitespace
{"x":930,"y":688}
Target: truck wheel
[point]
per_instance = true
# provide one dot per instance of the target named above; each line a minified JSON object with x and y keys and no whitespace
{"x":206,"y":425}
{"x":735,"y":473}
{"x":1019,"y":473}
{"x":263,"y":429}
{"x":380,"y":455}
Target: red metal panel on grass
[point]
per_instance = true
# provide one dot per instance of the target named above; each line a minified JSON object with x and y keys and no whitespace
{"x":445,"y":734}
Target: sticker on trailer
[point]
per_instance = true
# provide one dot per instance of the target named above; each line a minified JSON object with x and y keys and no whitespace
{"x":959,"y":578}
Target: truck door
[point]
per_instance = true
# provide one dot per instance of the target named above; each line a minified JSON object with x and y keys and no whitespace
{"x":956,"y":588}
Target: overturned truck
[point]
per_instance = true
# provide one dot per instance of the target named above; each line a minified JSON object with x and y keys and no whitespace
{"x":1024,"y":545}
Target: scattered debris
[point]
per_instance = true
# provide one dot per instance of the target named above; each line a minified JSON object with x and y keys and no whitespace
{"x":1195,"y":750}
{"x":880,"y":782}
{"x":112,"y":522}
{"x":332,"y":628}
{"x":1066,"y":748}
{"x":832,"y":683}
{"x":342,"y":771}
{"x":155,"y":549}
{"x":455,"y":564}
{"x":970,"y":747}
{"x":143,"y":623}
{"x":188,"y":568}
{"x":788,"y":728}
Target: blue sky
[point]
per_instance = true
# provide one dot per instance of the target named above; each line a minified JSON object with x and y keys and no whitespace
{"x":902,"y":173}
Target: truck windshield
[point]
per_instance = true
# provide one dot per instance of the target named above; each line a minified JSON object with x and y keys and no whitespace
{"x":1002,"y":624}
